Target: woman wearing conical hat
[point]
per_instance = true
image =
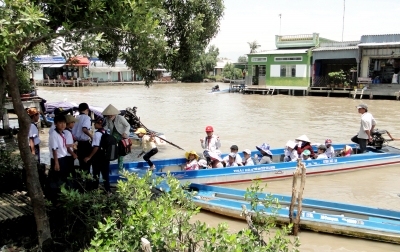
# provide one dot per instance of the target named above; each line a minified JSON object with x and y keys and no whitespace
{"x":118,"y":126}
{"x":303,"y":143}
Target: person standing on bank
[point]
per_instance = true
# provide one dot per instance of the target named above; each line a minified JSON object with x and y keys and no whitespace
{"x":34,"y":140}
{"x":118,"y":126}
{"x":368,"y":123}
{"x":81,"y":131}
{"x":211,"y":142}
{"x":148,"y":145}
{"x":100,"y":164}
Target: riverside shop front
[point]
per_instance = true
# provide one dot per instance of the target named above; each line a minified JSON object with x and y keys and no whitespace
{"x":380,"y":58}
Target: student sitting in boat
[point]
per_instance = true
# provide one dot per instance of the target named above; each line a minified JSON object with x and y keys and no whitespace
{"x":213,"y":159}
{"x":231,"y":160}
{"x":303,"y":143}
{"x":202,"y":164}
{"x":234,"y":149}
{"x":247,"y":158}
{"x":306,"y":155}
{"x":191,"y":164}
{"x":321,"y":152}
{"x":346,"y":152}
{"x":330,"y":151}
{"x":290,"y":152}
{"x":266,"y":157}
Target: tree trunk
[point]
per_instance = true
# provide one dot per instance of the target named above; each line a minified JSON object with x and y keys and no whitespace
{"x":30,"y":164}
{"x":2,"y":91}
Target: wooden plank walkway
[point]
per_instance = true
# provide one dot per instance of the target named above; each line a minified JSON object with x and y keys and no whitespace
{"x":14,"y":206}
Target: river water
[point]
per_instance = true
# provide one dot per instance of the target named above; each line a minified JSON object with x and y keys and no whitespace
{"x":182,"y":111}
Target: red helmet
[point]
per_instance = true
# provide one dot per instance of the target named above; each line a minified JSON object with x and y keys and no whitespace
{"x":209,"y":129}
{"x":328,"y":141}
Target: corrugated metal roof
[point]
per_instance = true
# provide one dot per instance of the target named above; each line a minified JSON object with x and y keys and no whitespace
{"x":339,"y":44}
{"x":380,"y":44}
{"x":382,"y":38}
{"x":321,"y":49}
{"x":14,"y":206}
{"x":290,"y":51}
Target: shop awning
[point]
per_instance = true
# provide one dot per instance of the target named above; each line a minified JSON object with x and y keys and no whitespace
{"x":52,"y":65}
{"x":78,"y":61}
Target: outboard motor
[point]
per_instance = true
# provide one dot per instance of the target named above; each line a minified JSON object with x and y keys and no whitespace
{"x":132,"y":118}
{"x":377,"y":139}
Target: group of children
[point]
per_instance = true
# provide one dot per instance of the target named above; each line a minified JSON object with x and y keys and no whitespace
{"x":299,"y":148}
{"x":72,"y":146}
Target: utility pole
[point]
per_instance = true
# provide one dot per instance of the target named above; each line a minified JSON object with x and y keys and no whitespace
{"x":344,"y":9}
{"x":280,"y":23}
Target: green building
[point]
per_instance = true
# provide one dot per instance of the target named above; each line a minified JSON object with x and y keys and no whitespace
{"x":286,"y":66}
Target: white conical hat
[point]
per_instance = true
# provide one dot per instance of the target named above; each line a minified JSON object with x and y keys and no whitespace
{"x":110,"y":110}
{"x":303,"y":138}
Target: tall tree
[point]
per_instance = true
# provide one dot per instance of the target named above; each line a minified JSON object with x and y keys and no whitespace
{"x":229,"y":71}
{"x":143,"y":33}
{"x":242,"y":59}
{"x":253,"y":46}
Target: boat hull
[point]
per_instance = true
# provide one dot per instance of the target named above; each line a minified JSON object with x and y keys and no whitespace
{"x":322,"y":216}
{"x":277,"y":170}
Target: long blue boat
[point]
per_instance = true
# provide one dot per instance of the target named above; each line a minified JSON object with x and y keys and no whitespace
{"x":373,"y":158}
{"x":317,"y":215}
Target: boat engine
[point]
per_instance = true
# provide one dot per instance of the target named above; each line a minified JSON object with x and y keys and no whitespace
{"x":377,"y":139}
{"x":132,"y":118}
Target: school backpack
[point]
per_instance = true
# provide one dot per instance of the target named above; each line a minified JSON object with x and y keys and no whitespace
{"x":108,"y":144}
{"x":124,"y":146}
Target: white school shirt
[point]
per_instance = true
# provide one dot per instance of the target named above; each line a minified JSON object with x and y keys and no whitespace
{"x":83,"y":122}
{"x":231,"y":165}
{"x":367,"y":120}
{"x":69,"y":140}
{"x":97,"y":138}
{"x":212,"y":145}
{"x":57,"y":142}
{"x":193,"y":165}
{"x":237,"y":160}
{"x":293,"y":155}
{"x":322,"y":156}
{"x":248,"y":162}
{"x":34,"y":133}
{"x":330,"y":152}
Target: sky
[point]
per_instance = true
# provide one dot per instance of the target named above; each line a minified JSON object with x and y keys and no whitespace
{"x":258,"y":20}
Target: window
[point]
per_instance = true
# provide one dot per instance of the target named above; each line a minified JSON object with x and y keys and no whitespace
{"x":298,"y":58}
{"x":288,"y":71}
{"x":259,"y":59}
{"x":261,"y":70}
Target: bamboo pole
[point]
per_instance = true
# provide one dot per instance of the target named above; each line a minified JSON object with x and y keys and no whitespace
{"x":300,"y":197}
{"x":146,"y":246}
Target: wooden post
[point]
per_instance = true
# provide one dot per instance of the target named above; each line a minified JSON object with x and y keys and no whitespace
{"x":294,"y":193}
{"x":300,"y":196}
{"x":146,"y":246}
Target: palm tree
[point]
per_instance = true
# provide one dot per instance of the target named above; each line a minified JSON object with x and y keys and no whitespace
{"x":253,"y":46}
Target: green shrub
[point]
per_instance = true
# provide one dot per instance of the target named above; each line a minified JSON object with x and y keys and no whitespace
{"x":165,"y":222}
{"x":10,"y":171}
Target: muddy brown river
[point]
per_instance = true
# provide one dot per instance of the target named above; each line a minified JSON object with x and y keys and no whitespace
{"x":182,"y":111}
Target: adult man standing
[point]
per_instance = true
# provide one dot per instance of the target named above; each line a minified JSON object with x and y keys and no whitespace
{"x":81,"y":131}
{"x":368,"y":123}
